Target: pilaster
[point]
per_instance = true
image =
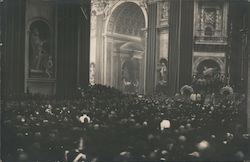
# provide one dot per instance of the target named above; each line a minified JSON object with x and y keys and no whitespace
{"x":151,"y":48}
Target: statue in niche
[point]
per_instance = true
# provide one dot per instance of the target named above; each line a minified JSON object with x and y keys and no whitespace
{"x":92,"y":73}
{"x":37,"y":48}
{"x":40,"y":60}
{"x":163,"y":71}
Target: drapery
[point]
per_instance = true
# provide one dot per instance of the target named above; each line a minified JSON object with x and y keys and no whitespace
{"x":174,"y":46}
{"x":84,"y":46}
{"x":66,"y":78}
{"x":239,"y":54}
{"x":12,"y":59}
{"x":186,"y":42}
{"x":73,"y":48}
{"x":236,"y":52}
{"x":180,"y":44}
{"x":151,"y":48}
{"x":248,"y":71}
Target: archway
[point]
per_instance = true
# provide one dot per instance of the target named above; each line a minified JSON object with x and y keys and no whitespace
{"x":205,"y":64}
{"x":125,"y":43}
{"x":209,"y":62}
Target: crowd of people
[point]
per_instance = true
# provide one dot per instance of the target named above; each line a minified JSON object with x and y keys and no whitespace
{"x":103,"y":124}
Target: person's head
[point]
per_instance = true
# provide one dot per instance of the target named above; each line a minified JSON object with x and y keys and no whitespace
{"x":163,"y":61}
{"x":92,"y":65}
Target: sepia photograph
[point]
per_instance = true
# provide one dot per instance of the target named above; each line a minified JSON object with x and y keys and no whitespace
{"x":125,"y":80}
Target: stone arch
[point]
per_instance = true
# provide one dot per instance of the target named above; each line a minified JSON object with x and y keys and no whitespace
{"x":123,"y":36}
{"x":217,"y":60}
{"x":116,"y":8}
{"x":31,"y":21}
{"x":132,"y":47}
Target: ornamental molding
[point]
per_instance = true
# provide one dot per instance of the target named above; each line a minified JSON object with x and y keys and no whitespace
{"x":99,"y":7}
{"x":105,"y":7}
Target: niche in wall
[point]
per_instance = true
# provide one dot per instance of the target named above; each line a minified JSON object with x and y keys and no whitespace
{"x":41,"y":58}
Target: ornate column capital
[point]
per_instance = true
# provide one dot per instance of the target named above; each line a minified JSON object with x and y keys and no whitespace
{"x":99,"y":6}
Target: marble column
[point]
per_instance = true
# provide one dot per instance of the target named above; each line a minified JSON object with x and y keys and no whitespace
{"x":115,"y":68}
{"x":108,"y":65}
{"x":99,"y":50}
{"x":99,"y":8}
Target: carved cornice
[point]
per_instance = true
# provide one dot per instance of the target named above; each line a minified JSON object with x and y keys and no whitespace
{"x":100,"y":7}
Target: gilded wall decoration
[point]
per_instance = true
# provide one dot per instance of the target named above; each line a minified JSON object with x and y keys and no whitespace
{"x":211,"y":21}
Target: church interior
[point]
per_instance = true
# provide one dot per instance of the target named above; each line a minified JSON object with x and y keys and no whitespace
{"x":124,"y":80}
